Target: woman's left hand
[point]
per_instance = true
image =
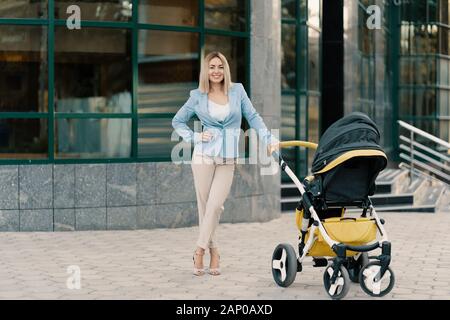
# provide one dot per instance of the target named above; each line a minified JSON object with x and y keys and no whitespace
{"x":273,"y":147}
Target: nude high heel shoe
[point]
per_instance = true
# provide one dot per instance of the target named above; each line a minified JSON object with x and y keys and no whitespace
{"x":214,"y":271}
{"x":198,"y":271}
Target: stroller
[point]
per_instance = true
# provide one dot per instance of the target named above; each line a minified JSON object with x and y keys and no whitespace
{"x":347,"y":161}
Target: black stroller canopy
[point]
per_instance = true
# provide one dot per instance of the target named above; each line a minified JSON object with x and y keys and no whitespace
{"x":355,"y":131}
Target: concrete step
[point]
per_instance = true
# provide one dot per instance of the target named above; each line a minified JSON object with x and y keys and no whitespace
{"x":407,"y":208}
{"x":289,"y":190}
{"x":398,"y":194}
{"x":391,"y":181}
{"x":392,"y":199}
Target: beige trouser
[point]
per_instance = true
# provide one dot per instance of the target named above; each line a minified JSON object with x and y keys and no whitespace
{"x":212,"y":178}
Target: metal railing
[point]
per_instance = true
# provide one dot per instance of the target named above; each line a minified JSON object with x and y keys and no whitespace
{"x":434,"y":162}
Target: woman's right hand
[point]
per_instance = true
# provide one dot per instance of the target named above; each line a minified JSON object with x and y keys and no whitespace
{"x":206,"y":136}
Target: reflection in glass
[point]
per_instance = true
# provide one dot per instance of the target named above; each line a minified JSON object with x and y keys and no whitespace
{"x":169,"y":12}
{"x":92,"y":70}
{"x":23,"y":65}
{"x":444,"y":6}
{"x":406,"y":101}
{"x":421,"y":71}
{"x":288,"y":123}
{"x":314,"y":59}
{"x":443,"y":72}
{"x":154,"y":138}
{"x":96,"y":10}
{"x":23,"y":138}
{"x":23,"y":9}
{"x":420,"y":11}
{"x":167,"y":71}
{"x":443,"y":42}
{"x":288,"y":9}
{"x":444,"y":103}
{"x":313,"y":124}
{"x":93,"y":138}
{"x":288,"y":77}
{"x":226,"y":14}
{"x":406,"y":71}
{"x":234,"y":49}
{"x":433,"y":13}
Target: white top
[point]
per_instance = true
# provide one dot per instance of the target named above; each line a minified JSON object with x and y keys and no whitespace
{"x":218,"y":111}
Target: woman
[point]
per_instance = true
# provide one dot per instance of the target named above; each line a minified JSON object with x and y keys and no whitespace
{"x":219,"y":104}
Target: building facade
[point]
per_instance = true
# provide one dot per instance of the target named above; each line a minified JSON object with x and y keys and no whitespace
{"x":85,"y":114}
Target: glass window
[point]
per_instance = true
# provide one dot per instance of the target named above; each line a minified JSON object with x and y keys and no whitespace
{"x":288,"y":64}
{"x":23,"y":65}
{"x":314,"y":59}
{"x":443,"y":40}
{"x":444,"y":72}
{"x":167,"y":71}
{"x":23,"y":138}
{"x":288,"y":9}
{"x":303,"y":12}
{"x":406,"y":11}
{"x":420,"y":102}
{"x":169,"y":12}
{"x":288,"y":117}
{"x":303,"y":60}
{"x":96,"y":10}
{"x":226,"y":14}
{"x":433,"y":13}
{"x":420,"y":11}
{"x":444,"y":102}
{"x":405,"y":101}
{"x":433,"y":35}
{"x":93,"y":138}
{"x":420,"y":43}
{"x":92,"y":70}
{"x":421,"y":71}
{"x":406,"y":71}
{"x":288,"y":124}
{"x":444,"y":130}
{"x":23,"y":9}
{"x":155,"y":138}
{"x":405,"y":39}
{"x":432,"y":75}
{"x":430,"y":108}
{"x":429,"y":126}
{"x":313,"y":123}
{"x":235,"y":50}
{"x":443,"y":10}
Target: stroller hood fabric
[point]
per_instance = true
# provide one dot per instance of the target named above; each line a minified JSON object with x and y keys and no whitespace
{"x":353,"y":132}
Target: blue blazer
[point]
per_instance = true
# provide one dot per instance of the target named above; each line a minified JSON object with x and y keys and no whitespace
{"x":225,"y":133}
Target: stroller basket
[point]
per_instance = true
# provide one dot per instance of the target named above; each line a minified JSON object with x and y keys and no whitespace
{"x":350,"y":231}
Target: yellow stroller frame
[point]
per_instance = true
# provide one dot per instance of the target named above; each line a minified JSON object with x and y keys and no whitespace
{"x":345,"y":241}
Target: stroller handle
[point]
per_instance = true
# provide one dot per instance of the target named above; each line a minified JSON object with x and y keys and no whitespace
{"x":293,"y":143}
{"x":297,"y":143}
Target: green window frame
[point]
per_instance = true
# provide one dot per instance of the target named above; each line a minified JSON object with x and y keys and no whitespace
{"x":434,"y":24}
{"x":302,"y":91}
{"x":134,"y":26}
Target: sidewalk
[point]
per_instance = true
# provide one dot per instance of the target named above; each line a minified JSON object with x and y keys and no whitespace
{"x":157,"y":264}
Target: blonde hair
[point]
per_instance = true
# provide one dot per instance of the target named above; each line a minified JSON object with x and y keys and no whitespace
{"x":204,"y":73}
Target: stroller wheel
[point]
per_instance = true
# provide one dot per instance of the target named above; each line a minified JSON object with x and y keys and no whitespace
{"x":373,"y":286}
{"x":340,"y":287}
{"x":284,"y":265}
{"x":354,"y":267}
